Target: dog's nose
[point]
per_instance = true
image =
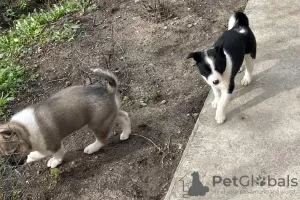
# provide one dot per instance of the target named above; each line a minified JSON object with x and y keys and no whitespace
{"x":216,"y":82}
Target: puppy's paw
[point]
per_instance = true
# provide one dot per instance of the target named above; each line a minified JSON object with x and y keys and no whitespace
{"x":30,"y":159}
{"x":34,"y":156}
{"x":246,"y":80}
{"x":124,"y":136}
{"x":54,"y":162}
{"x":92,"y":148}
{"x":220,"y":117}
{"x":214,"y":104}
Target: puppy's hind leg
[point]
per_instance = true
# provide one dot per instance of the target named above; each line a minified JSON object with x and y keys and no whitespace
{"x":249,"y":69}
{"x":124,"y":121}
{"x":101,"y":140}
{"x":242,"y":68}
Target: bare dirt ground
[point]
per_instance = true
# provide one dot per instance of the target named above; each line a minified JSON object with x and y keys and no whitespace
{"x":146,"y":48}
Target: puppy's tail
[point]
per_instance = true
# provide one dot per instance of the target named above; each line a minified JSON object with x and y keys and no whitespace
{"x":110,"y":77}
{"x":238,"y":19}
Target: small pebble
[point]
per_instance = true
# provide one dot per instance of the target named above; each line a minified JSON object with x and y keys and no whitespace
{"x":68,"y":83}
{"x":87,"y":81}
{"x":195,"y":115}
{"x":163,"y":102}
{"x":142,"y":103}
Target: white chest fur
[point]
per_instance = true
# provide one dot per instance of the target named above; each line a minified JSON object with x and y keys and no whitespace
{"x":27,"y":118}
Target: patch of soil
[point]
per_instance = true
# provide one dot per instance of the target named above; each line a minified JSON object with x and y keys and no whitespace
{"x":164,"y":94}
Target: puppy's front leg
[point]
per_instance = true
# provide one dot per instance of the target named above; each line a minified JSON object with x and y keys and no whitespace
{"x":221,"y":109}
{"x":217,"y":97}
{"x":57,"y":158}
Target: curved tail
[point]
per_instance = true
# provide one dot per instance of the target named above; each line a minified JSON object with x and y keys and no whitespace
{"x":110,"y":77}
{"x":238,"y":19}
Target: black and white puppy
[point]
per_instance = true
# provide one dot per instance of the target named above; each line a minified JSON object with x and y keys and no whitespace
{"x":220,"y":64}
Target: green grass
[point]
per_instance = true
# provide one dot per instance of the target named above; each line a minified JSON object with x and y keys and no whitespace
{"x":55,"y":174}
{"x":34,"y":29}
{"x":16,"y":194}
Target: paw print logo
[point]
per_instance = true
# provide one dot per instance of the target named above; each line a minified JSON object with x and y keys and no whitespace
{"x":260,"y":180}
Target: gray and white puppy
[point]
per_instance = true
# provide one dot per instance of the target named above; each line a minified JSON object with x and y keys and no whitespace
{"x":38,"y":130}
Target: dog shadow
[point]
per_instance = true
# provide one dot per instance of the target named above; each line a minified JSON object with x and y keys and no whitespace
{"x":279,"y":74}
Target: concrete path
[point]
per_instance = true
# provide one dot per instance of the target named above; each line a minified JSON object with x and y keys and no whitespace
{"x":261,"y":136}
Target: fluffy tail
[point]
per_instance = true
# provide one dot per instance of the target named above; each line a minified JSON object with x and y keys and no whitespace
{"x":110,"y":77}
{"x":238,"y":19}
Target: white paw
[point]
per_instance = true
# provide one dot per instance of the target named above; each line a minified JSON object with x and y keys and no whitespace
{"x":34,"y":156}
{"x":30,"y":159}
{"x":124,"y":136}
{"x":220,"y":117}
{"x":53,"y":162}
{"x":246,"y":80}
{"x":214,"y":104}
{"x":92,"y":148}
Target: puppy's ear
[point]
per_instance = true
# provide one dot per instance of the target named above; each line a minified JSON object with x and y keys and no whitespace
{"x":197,"y":56}
{"x":219,"y":49}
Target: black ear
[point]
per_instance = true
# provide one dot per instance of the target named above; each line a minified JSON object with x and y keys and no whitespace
{"x":219,"y":49}
{"x":196,"y":55}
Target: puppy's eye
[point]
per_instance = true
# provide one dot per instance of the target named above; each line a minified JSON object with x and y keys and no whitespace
{"x":207,"y":69}
{"x":219,"y":69}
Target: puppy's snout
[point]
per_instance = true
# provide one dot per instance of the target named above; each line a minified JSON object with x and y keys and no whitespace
{"x":216,"y":82}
